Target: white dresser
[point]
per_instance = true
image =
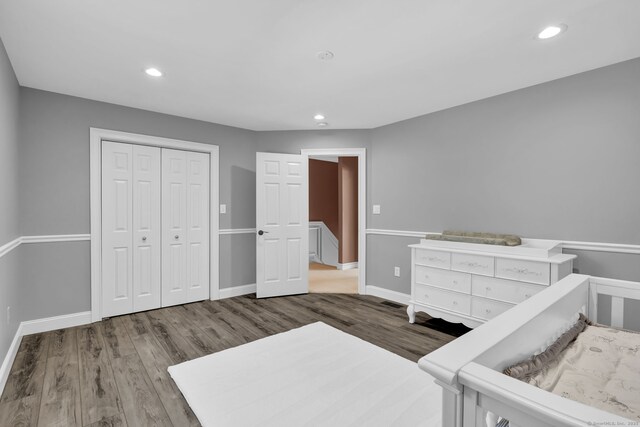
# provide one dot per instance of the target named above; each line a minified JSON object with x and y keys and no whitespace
{"x":472,"y":283}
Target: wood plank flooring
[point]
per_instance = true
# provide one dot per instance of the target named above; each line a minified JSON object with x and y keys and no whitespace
{"x":114,"y":372}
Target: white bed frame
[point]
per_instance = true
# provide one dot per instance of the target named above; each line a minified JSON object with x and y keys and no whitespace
{"x":476,"y":393}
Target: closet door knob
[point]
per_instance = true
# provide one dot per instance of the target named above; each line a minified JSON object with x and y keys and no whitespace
{"x":176,"y":237}
{"x":144,"y":238}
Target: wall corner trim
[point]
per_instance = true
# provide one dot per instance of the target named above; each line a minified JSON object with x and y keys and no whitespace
{"x":388,"y":294}
{"x":6,"y":248}
{"x":7,"y":363}
{"x":34,"y":327}
{"x":236,"y":291}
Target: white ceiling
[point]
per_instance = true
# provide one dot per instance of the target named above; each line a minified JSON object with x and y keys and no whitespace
{"x":253,"y":64}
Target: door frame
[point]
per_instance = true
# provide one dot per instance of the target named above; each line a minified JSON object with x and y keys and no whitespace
{"x":361,"y":154}
{"x":96,"y":136}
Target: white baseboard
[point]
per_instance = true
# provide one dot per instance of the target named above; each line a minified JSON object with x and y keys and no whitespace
{"x":387,"y":294}
{"x":9,"y":358}
{"x":236,"y":291}
{"x":56,"y":322}
{"x":314,"y":258}
{"x":37,"y":326}
{"x":347,"y":265}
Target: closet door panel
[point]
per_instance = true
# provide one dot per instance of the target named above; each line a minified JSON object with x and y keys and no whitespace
{"x":147,"y":238}
{"x":174,"y":226}
{"x":117,"y":228}
{"x":197,"y":226}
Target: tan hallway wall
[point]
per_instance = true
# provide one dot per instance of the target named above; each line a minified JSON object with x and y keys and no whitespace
{"x":348,"y":209}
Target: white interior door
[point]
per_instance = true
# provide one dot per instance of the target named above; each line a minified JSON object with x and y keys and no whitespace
{"x":174,"y":226}
{"x":117,"y":234}
{"x":146,"y":228}
{"x":282,"y":219}
{"x":197,"y":226}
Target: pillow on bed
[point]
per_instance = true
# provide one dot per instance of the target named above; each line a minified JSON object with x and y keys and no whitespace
{"x":533,"y":365}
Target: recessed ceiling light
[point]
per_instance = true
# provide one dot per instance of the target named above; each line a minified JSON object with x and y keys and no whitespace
{"x":325,"y":55}
{"x":552,"y":31}
{"x":323,"y":124}
{"x":318,"y":117}
{"x":153,"y":72}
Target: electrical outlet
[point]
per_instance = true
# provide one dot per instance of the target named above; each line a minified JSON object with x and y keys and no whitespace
{"x":223,"y":209}
{"x":376,"y":209}
{"x":396,"y":271}
{"x":8,"y":315}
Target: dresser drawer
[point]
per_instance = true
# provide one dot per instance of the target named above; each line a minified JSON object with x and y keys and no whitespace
{"x":523,"y":271}
{"x":488,"y":309}
{"x":433,"y":258}
{"x":447,"y":279}
{"x":476,"y":264}
{"x":503,"y":290}
{"x":444,"y":299}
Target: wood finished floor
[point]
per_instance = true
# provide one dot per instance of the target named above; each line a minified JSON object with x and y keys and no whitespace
{"x":114,"y":372}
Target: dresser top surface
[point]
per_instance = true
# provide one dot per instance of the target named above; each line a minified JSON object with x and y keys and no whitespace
{"x":510,"y":252}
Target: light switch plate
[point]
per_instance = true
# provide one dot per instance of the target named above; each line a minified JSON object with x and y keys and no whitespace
{"x":376,"y":209}
{"x":396,"y":271}
{"x":223,"y":209}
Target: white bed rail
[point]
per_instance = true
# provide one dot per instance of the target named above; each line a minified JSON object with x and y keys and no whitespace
{"x":487,"y":391}
{"x":469,"y":368}
{"x":618,"y":290}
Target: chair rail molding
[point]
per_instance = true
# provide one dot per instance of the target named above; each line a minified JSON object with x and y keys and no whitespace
{"x":237,"y":230}
{"x":8,"y":247}
{"x":566,"y":244}
{"x":55,"y":238}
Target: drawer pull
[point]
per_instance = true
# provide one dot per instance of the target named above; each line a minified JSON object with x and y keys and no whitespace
{"x":523,"y":271}
{"x":487,"y":311}
{"x":527,"y":295}
{"x":474,"y":264}
{"x":455,"y":282}
{"x":435,"y":258}
{"x":488,"y":288}
{"x":455,"y":303}
{"x":426,"y":296}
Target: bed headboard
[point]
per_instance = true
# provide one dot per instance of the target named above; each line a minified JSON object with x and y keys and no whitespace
{"x":501,"y":341}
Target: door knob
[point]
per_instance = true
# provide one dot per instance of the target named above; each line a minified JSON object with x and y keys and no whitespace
{"x":144,"y":238}
{"x":176,"y":237}
{"x":260,"y":232}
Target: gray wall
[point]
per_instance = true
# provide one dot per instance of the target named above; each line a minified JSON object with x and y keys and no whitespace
{"x":551,"y":161}
{"x":54,"y":184}
{"x":9,"y":230}
{"x":558,"y":160}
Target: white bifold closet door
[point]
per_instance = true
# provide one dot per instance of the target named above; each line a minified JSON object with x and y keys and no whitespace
{"x":185,"y":225}
{"x":155,"y":227}
{"x":130,"y":228}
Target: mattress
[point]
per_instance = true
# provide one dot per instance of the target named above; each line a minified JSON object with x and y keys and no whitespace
{"x":601,"y":368}
{"x":315,"y":375}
